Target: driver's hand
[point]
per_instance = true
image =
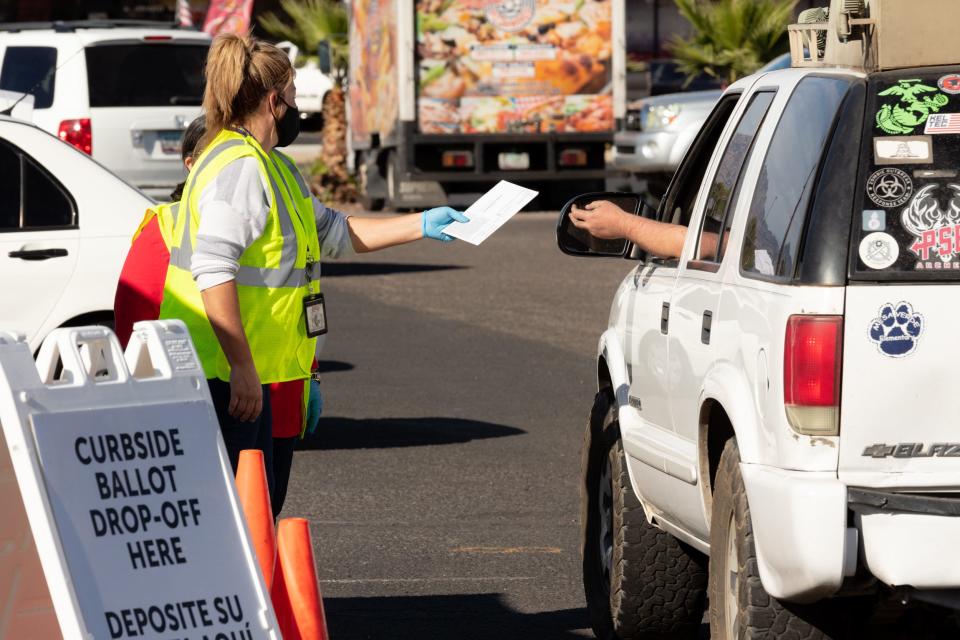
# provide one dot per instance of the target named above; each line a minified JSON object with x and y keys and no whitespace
{"x":601,"y":219}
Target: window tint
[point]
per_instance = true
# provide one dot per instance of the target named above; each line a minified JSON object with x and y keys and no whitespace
{"x":9,"y":189}
{"x":29,"y":197}
{"x":145,"y":75}
{"x":781,"y":200}
{"x":30,"y":69}
{"x":718,"y":213}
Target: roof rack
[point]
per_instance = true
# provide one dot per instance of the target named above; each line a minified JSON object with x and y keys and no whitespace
{"x":874,"y":35}
{"x":69,"y":26}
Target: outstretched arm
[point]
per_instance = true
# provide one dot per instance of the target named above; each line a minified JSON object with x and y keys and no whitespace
{"x":605,"y":220}
{"x":372,"y":234}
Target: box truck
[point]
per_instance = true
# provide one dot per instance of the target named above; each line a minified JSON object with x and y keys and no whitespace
{"x":449,"y":96}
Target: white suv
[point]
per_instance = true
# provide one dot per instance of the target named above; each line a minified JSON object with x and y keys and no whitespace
{"x":773,"y":427}
{"x":120,"y":91}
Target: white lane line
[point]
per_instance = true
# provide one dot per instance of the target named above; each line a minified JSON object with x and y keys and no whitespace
{"x":417,"y":580}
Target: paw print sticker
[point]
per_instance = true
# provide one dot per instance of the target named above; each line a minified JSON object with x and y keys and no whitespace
{"x":897,"y":330}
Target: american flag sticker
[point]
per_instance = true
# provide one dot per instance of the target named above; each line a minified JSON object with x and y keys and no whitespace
{"x":943,"y":123}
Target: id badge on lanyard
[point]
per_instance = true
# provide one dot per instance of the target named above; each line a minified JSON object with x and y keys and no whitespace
{"x":315,"y":315}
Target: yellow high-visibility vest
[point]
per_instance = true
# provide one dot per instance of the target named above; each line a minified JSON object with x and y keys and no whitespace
{"x":276,"y":272}
{"x":166,"y":215}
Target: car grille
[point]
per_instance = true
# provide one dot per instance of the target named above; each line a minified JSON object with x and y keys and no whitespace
{"x":628,"y":150}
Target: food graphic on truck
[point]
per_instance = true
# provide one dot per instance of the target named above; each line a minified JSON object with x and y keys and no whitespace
{"x":450,"y":95}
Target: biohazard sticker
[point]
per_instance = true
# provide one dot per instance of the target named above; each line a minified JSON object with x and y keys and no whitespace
{"x":949,"y":84}
{"x":903,"y":150}
{"x":879,"y":250}
{"x":897,"y":330}
{"x":889,"y":187}
{"x":936,"y":227}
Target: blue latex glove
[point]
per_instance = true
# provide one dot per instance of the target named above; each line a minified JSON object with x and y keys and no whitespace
{"x":436,"y":220}
{"x":314,"y":407}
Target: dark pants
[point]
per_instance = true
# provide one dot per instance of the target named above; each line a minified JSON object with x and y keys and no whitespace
{"x":282,"y":462}
{"x":238,"y":435}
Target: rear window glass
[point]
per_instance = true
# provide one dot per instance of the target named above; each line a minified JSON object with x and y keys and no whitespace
{"x":907,"y":224}
{"x":30,"y":70}
{"x":145,"y":75}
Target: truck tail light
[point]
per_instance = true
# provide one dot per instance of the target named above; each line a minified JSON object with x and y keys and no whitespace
{"x":457,"y":159}
{"x":811,"y":374}
{"x":78,"y":133}
{"x":573,"y":158}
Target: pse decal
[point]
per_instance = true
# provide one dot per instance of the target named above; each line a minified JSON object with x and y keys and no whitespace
{"x":936,"y":228}
{"x":949,"y":84}
{"x":897,"y":330}
{"x":879,"y":250}
{"x":903,"y":150}
{"x":912,"y":108}
{"x":889,"y":187}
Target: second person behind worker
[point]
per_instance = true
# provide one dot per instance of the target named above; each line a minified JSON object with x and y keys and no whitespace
{"x":244,"y":260}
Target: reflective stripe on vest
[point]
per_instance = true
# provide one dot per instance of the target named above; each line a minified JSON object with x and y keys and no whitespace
{"x":273,"y":272}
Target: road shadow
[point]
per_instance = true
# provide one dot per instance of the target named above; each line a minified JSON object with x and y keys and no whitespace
{"x":383,"y":433}
{"x":334,"y":366}
{"x":478,"y":616}
{"x":333,"y":269}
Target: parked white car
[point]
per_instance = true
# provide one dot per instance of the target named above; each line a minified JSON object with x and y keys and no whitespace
{"x":311,"y":84}
{"x":121,"y":91}
{"x":65,"y":228}
{"x":772,"y":431}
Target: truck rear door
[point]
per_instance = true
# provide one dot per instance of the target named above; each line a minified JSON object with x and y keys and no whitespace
{"x":897,"y":428}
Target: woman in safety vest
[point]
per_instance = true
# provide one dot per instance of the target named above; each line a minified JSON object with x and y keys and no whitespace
{"x":246,"y":246}
{"x":140,"y":293}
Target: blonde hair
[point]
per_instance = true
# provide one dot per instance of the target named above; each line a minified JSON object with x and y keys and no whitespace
{"x":241,"y":71}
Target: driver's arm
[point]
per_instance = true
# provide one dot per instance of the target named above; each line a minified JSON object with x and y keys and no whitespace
{"x":605,"y":220}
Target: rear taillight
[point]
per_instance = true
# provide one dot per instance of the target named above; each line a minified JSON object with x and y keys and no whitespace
{"x":77,"y":133}
{"x":573,"y":158}
{"x":457,"y":159}
{"x":811,"y":374}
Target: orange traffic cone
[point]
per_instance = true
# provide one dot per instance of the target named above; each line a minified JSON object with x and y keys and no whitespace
{"x":255,"y":499}
{"x":296,"y":591}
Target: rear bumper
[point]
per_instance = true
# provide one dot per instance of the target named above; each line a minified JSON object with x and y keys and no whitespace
{"x":908,"y":539}
{"x":811,"y":531}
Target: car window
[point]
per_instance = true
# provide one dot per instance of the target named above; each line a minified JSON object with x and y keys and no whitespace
{"x":775,"y":223}
{"x":677,"y":204}
{"x":30,"y":70}
{"x":718,"y":212}
{"x":907,"y":222}
{"x":30,"y":198}
{"x":145,"y":75}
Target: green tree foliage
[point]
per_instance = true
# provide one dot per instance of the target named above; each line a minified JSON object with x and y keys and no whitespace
{"x":732,"y":38}
{"x":307,"y":23}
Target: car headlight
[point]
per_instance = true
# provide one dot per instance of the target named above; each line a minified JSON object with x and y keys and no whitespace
{"x":660,"y":116}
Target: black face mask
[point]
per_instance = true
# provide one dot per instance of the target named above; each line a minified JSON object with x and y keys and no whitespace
{"x":288,"y":126}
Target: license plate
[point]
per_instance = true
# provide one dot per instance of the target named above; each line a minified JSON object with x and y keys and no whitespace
{"x":170,"y":142}
{"x":515,"y":161}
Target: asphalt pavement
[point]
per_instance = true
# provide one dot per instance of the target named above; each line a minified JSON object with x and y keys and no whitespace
{"x":442,"y":485}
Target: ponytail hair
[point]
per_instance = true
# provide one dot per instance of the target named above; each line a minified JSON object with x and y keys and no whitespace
{"x":241,"y":71}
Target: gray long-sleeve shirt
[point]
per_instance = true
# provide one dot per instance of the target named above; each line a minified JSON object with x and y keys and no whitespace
{"x":235,"y":207}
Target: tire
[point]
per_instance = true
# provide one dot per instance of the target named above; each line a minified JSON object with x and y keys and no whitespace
{"x":745,"y":611}
{"x":653,"y":586}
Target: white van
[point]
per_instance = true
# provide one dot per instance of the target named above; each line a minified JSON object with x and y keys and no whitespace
{"x":122,"y":91}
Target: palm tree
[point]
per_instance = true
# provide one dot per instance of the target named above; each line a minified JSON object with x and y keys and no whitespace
{"x":309,"y":23}
{"x":732,"y":38}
